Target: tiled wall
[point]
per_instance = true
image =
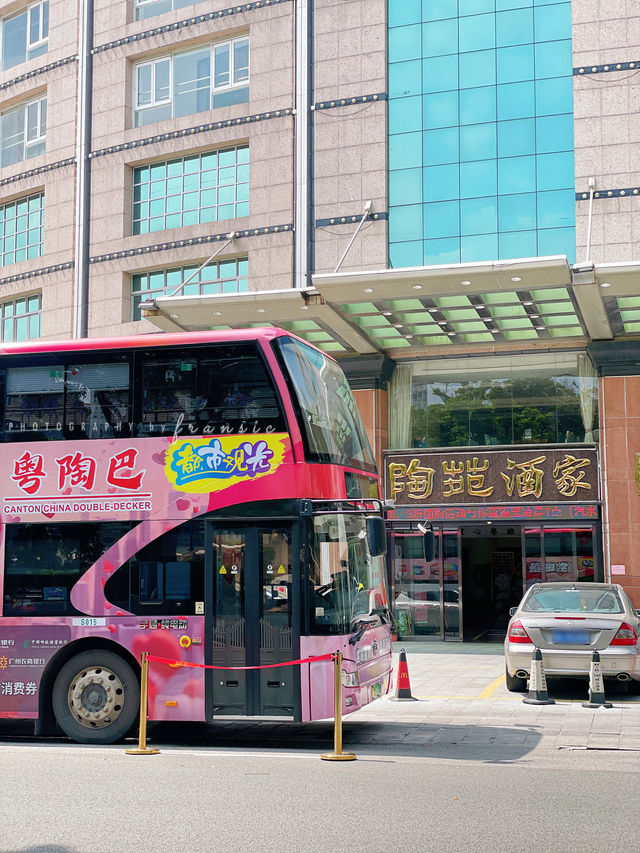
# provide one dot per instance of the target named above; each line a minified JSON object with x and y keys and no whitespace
{"x":350,"y":140}
{"x":607,"y":127}
{"x":620,"y":420}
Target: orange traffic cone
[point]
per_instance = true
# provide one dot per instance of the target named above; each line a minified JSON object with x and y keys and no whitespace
{"x":403,"y":687}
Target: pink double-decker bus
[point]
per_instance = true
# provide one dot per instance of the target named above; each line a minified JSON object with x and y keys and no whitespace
{"x":208,"y":497}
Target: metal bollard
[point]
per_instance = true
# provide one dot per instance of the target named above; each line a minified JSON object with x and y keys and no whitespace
{"x":142,"y":748}
{"x":337,"y":754}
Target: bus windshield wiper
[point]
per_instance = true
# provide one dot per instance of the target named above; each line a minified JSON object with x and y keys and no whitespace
{"x":358,"y":635}
{"x":380,"y":611}
{"x":385,"y":610}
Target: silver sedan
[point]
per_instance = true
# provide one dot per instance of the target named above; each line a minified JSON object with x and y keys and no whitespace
{"x":568,"y":622}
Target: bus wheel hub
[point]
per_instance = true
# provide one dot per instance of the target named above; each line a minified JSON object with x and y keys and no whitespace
{"x":95,"y":697}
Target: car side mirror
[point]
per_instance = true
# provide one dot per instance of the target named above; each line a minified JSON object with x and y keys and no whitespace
{"x":512,"y":611}
{"x":376,"y":535}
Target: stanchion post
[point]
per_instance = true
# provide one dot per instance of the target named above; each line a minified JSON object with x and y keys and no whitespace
{"x":337,"y":754}
{"x":142,"y":748}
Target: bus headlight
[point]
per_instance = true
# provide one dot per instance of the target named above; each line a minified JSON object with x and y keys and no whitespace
{"x":363,"y":654}
{"x":350,"y":679}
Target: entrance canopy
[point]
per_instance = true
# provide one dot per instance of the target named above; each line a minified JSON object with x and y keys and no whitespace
{"x":432,"y":310}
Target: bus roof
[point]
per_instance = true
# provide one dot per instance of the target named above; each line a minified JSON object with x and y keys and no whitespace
{"x":153,"y":339}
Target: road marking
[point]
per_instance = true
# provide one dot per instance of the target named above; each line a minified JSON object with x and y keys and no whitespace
{"x":488,"y":692}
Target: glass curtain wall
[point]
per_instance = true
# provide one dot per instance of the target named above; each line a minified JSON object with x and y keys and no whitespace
{"x":481,"y":150}
{"x":549,"y":398}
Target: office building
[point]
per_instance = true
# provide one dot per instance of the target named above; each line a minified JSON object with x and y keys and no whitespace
{"x":441,"y":194}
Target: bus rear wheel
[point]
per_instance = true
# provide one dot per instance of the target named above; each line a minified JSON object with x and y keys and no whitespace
{"x":96,"y":697}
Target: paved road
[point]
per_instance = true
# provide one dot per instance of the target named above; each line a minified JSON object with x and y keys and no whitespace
{"x":467,"y":768}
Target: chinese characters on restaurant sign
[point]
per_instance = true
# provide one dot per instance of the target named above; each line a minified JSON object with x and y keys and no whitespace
{"x":504,"y":476}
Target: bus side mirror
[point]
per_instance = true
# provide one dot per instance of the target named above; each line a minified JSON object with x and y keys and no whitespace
{"x":376,"y":535}
{"x":428,"y":540}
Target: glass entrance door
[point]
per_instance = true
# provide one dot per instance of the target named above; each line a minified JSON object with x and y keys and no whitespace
{"x":426,"y":594}
{"x":250,"y":607}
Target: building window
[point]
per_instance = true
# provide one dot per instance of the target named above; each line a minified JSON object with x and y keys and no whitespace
{"x":21,"y":318}
{"x":23,"y":131}
{"x":191,"y":190}
{"x":25,"y":35}
{"x":225,"y":276}
{"x":149,"y":8}
{"x":215,"y":75}
{"x":545,"y":398}
{"x":21,"y":229}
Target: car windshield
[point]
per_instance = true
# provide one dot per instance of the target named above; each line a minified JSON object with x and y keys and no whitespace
{"x":573,"y":601}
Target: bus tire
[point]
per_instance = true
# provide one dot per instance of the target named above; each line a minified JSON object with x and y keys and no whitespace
{"x":96,"y":697}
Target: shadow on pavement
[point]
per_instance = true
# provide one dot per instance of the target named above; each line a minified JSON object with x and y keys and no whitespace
{"x":494,"y":744}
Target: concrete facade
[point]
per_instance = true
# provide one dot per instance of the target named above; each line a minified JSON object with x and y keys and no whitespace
{"x":348,"y":162}
{"x":607,"y":127}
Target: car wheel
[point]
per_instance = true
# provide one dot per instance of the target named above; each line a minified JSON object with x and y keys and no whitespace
{"x":515,"y":684}
{"x":96,"y":697}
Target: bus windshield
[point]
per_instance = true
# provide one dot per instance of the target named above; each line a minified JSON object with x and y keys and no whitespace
{"x":348,"y":583}
{"x":329,"y":420}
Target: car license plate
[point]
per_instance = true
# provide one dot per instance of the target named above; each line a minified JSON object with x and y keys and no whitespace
{"x":576,"y":638}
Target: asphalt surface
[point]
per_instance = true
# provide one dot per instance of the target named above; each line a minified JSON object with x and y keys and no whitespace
{"x":467,"y":766}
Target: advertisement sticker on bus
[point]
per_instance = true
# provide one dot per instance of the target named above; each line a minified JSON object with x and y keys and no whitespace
{"x":212,"y":464}
{"x":24,"y":653}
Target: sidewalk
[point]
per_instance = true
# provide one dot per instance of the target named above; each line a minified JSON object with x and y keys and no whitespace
{"x":463,"y":699}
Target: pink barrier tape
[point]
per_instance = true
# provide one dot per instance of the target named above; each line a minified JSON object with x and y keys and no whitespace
{"x":176,"y":663}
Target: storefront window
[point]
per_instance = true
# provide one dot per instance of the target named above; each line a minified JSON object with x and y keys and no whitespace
{"x":545,"y":398}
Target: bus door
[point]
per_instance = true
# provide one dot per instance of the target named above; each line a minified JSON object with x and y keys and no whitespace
{"x":251,"y":607}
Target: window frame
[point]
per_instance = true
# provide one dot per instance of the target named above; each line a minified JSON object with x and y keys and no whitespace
{"x":149,"y":4}
{"x":186,"y":270}
{"x":29,"y":46}
{"x":213,"y":89}
{"x":13,"y":318}
{"x":3,"y":246}
{"x":142,"y":224}
{"x":41,"y":122}
{"x":43,"y":38}
{"x":41,"y":102}
{"x":152,"y":63}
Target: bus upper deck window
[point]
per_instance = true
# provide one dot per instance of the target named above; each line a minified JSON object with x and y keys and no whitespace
{"x":98,"y":400}
{"x":34,"y":403}
{"x":169,"y":394}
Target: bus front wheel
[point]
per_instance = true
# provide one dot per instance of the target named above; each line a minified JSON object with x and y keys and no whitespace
{"x":96,"y":697}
